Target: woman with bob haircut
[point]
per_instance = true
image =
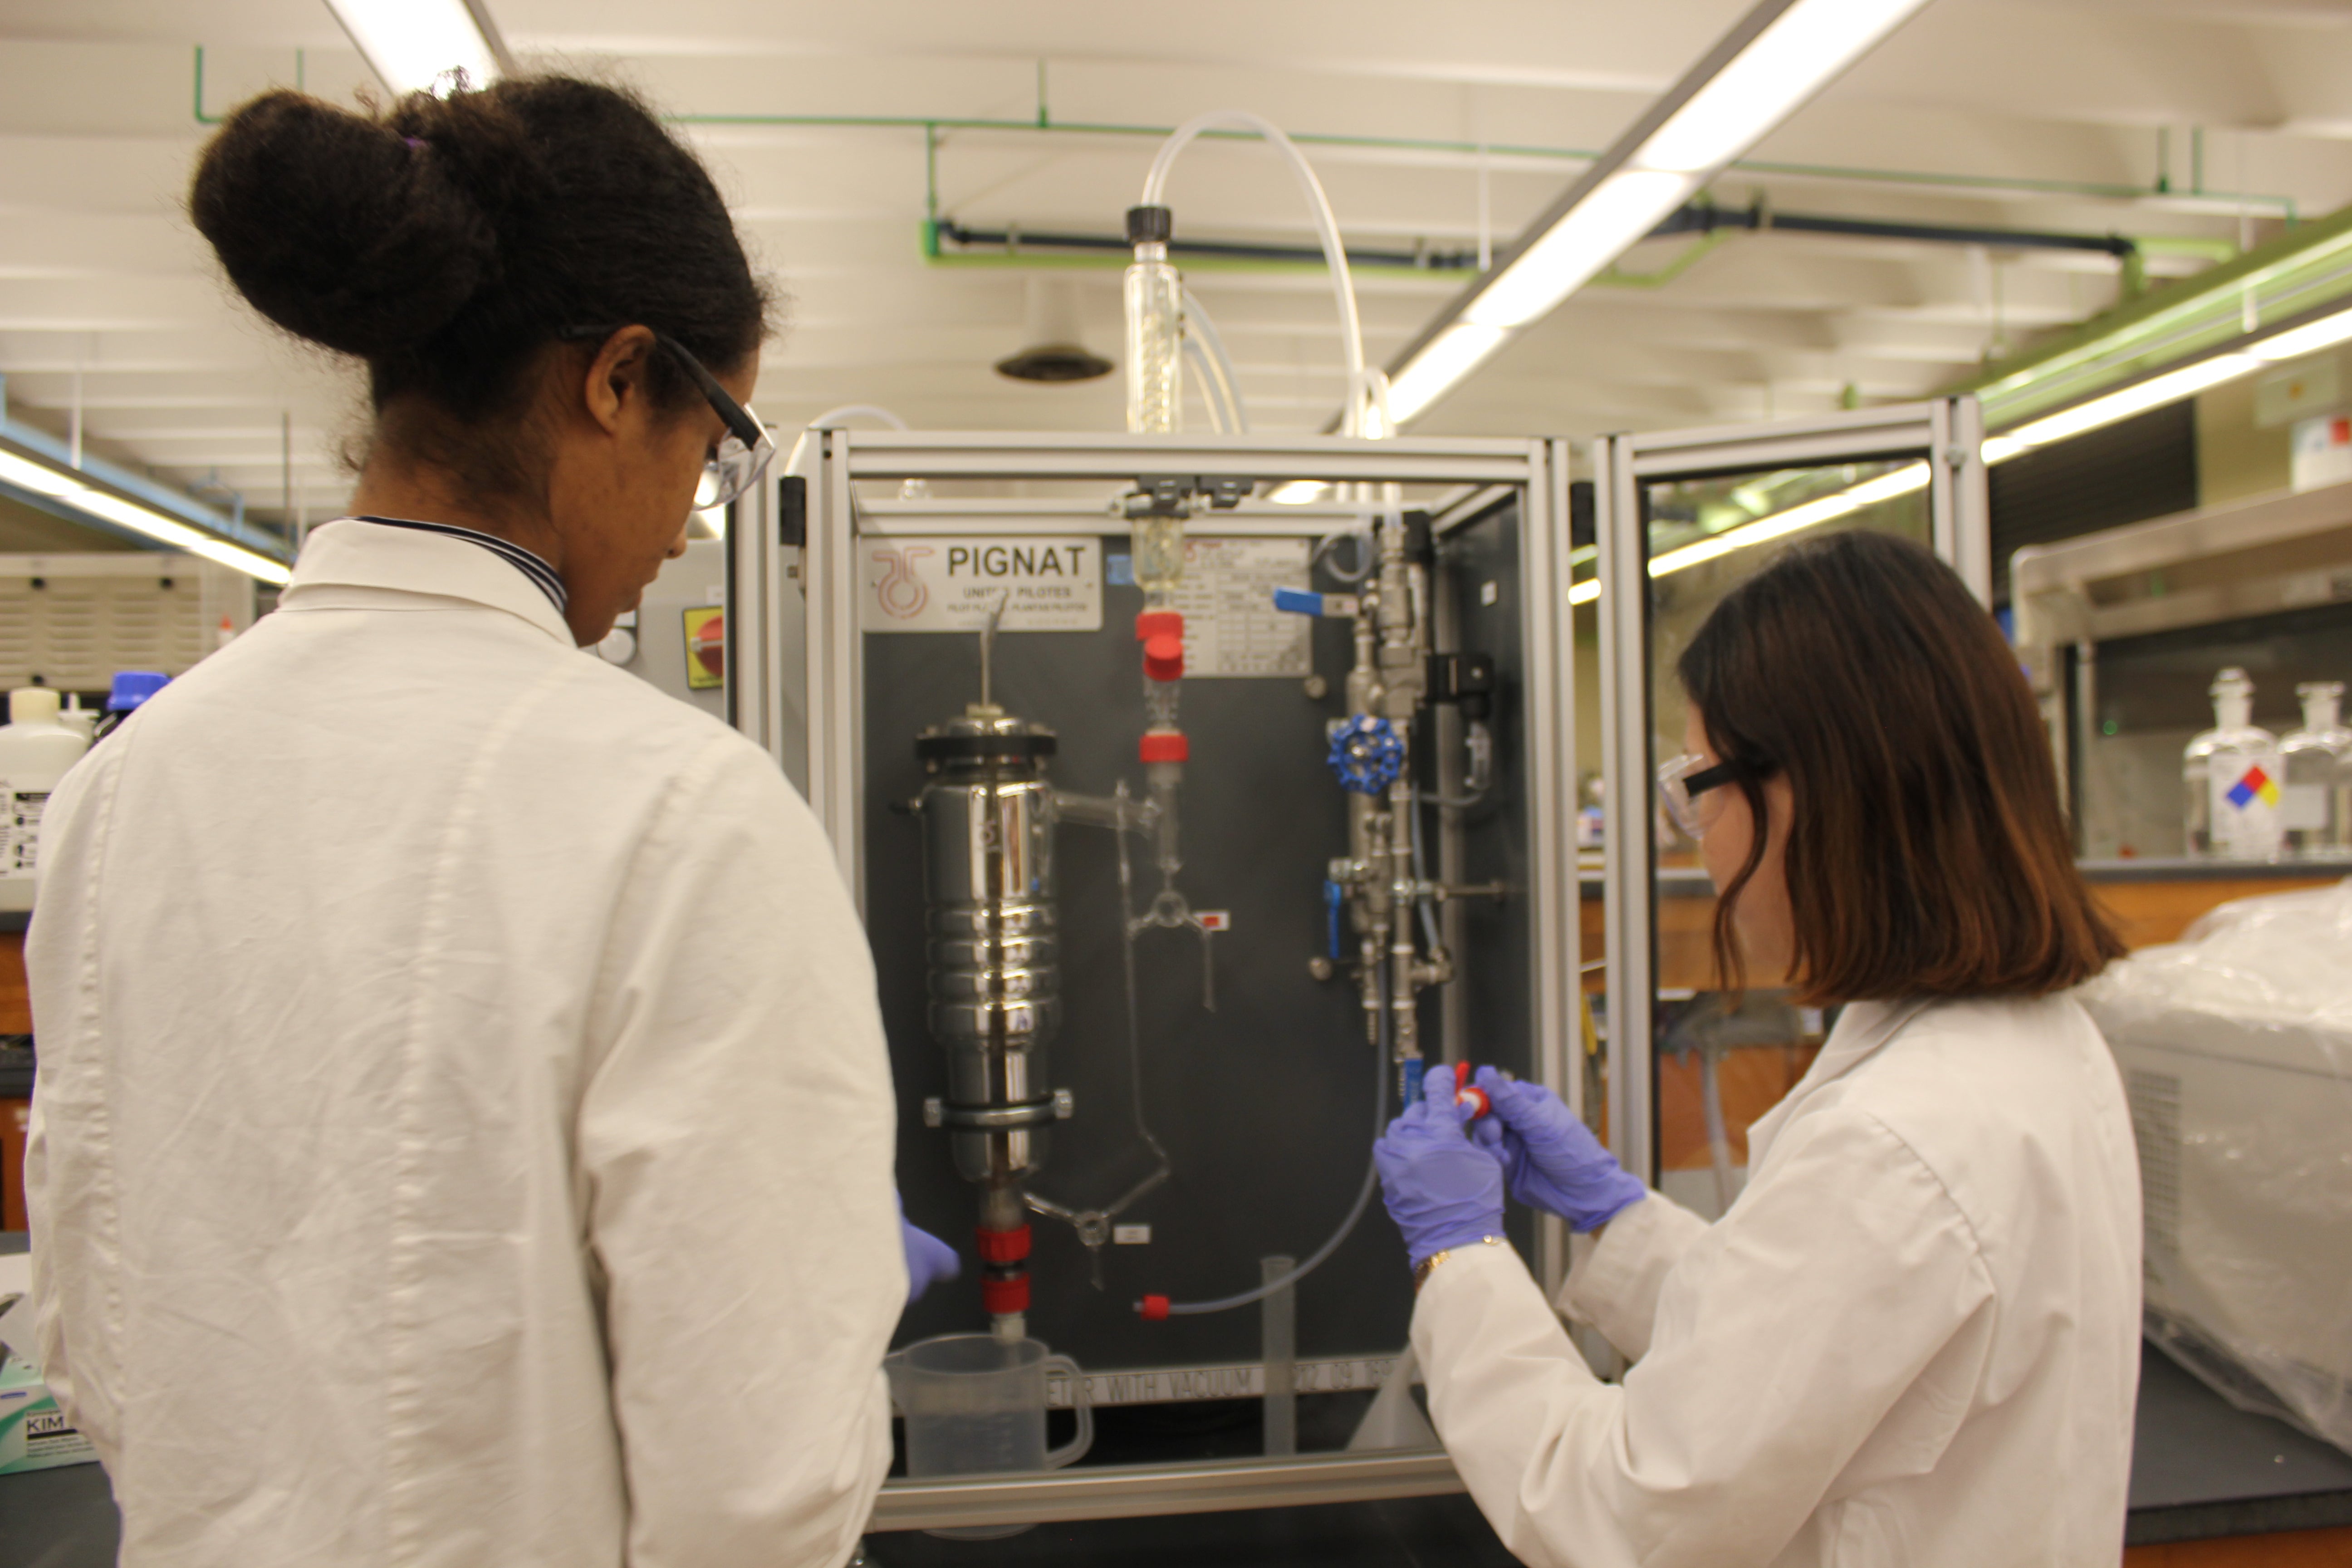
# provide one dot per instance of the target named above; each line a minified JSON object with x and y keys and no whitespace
{"x":1913,"y":1338}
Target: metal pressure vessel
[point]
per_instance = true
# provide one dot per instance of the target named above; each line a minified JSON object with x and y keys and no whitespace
{"x":987,"y":817}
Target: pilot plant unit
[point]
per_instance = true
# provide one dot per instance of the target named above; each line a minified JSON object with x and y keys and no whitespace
{"x":1180,"y":859}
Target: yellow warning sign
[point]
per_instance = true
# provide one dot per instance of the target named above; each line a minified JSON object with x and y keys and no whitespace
{"x":706,"y":648}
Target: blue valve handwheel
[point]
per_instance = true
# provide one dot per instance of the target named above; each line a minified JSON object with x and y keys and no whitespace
{"x":1366,"y":754}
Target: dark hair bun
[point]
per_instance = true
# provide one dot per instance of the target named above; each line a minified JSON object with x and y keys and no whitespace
{"x":450,"y":241}
{"x":352,"y":231}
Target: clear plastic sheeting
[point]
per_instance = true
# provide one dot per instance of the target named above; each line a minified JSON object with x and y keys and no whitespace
{"x":2235,"y":1044}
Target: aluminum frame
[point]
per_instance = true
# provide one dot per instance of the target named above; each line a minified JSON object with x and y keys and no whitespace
{"x":1948,"y":433}
{"x":835,"y":462}
{"x":764,"y":696}
{"x":1130,"y":1492}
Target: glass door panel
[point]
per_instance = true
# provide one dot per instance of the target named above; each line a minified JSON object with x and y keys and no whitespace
{"x":1685,"y":521}
{"x":1720,"y":1062}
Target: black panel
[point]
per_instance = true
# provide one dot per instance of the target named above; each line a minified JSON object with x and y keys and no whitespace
{"x":1265,"y":1105}
{"x":2129,"y":471}
{"x":1498,"y":940}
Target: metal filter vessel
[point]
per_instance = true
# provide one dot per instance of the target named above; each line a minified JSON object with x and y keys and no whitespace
{"x":994,"y":953}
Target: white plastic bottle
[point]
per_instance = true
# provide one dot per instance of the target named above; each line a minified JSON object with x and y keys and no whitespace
{"x":2317,"y":808}
{"x":2232,"y":778}
{"x":36,"y":750}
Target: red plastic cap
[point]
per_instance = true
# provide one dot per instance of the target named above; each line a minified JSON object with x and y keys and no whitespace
{"x":1163,"y":657}
{"x":1160,"y":623}
{"x":1164,"y":746}
{"x":1155,"y":1309}
{"x":1472,"y":1095}
{"x":1003,"y":1245}
{"x":1006,"y":1295}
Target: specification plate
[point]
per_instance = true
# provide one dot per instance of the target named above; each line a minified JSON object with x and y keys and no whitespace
{"x":949,"y":585}
{"x":1231,"y":627}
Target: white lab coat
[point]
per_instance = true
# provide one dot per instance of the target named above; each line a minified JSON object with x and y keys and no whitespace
{"x":463,"y":1133}
{"x":1914,"y":1339}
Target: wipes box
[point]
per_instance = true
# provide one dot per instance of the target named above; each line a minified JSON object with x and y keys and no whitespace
{"x":34,"y":1432}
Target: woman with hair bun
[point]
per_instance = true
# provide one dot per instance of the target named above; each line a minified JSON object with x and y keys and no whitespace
{"x":463,"y":1130}
{"x":1914,"y":1339}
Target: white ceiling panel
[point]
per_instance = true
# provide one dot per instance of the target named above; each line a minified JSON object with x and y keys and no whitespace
{"x":1431,"y":129}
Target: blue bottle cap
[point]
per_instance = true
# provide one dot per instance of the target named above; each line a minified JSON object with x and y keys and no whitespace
{"x":132,"y":687}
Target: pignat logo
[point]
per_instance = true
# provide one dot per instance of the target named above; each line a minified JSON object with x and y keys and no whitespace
{"x":1030,"y":563}
{"x":901,"y":593}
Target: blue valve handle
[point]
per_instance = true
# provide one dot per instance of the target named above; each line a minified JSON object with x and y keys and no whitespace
{"x":1366,"y":754}
{"x":1335,"y":898}
{"x":1298,"y":601}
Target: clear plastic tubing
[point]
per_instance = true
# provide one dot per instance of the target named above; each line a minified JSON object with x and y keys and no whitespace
{"x":1200,"y":335}
{"x":1327,"y":228}
{"x":1347,"y":1227}
{"x":1213,"y":393}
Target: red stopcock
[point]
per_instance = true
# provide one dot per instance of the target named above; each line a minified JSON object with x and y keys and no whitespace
{"x":1162,"y":632}
{"x":1468,"y":1093}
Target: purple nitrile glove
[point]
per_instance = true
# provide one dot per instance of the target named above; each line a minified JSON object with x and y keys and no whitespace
{"x":1441,"y":1190}
{"x":1550,"y":1157}
{"x":929,"y":1260}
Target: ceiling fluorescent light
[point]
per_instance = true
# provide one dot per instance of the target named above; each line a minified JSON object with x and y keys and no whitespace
{"x":1769,"y":81}
{"x":414,"y":43}
{"x":61,"y":486}
{"x":38,"y":478}
{"x":178,"y":535}
{"x":1779,"y":54}
{"x":1442,"y":360}
{"x":137,"y":517}
{"x":1594,"y":233}
{"x":1900,"y":481}
{"x":2172,"y":386}
{"x":244,"y":560}
{"x":2138,"y":398}
{"x":2324,"y":333}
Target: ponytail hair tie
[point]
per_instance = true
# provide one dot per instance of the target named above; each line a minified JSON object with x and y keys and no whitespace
{"x":413,"y":142}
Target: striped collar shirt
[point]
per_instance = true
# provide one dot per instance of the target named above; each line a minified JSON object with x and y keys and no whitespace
{"x":525,"y":562}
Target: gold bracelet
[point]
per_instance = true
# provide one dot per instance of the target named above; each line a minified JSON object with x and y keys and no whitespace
{"x":1421,"y":1275}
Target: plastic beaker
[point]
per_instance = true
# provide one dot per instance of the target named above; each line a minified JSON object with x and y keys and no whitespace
{"x":976,"y":1405}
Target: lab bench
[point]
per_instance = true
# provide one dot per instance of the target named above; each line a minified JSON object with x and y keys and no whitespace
{"x":2212,"y":1486}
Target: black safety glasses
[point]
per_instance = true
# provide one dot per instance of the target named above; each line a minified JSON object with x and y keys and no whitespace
{"x":741,"y":454}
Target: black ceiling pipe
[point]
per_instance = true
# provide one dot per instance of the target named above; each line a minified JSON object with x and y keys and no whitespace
{"x":1698,"y":217}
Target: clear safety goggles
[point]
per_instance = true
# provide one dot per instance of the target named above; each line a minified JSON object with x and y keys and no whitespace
{"x":741,"y":454}
{"x":1681,"y":780}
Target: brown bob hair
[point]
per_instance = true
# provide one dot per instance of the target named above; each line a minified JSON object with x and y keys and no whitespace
{"x":1926,"y":853}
